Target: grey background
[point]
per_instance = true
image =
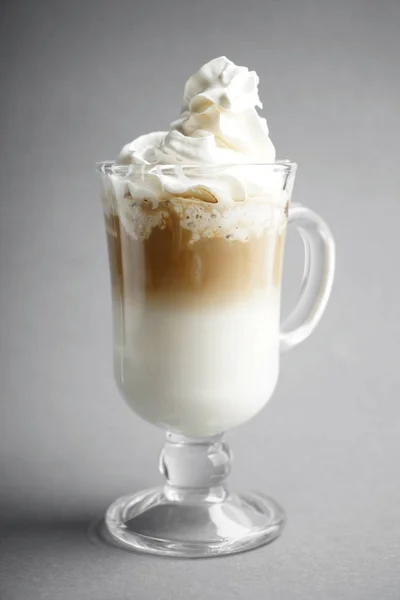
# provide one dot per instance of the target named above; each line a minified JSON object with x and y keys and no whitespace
{"x":78,"y":80}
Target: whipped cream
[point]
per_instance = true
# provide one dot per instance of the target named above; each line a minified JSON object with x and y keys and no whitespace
{"x":218,"y":125}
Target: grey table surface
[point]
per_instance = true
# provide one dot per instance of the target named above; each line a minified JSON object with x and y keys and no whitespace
{"x":78,"y":81}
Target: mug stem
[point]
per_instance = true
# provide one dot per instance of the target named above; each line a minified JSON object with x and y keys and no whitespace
{"x":195,"y":468}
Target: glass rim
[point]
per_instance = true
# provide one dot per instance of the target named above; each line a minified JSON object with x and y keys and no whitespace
{"x":114,"y":168}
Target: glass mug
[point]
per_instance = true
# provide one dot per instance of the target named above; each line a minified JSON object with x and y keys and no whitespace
{"x":196,"y":289}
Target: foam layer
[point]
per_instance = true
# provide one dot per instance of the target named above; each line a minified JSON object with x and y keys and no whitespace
{"x":238,"y":222}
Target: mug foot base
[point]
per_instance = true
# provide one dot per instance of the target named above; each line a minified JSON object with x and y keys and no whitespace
{"x":151,"y":522}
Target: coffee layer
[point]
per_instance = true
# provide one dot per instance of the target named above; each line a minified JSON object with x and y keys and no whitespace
{"x":174,"y":262}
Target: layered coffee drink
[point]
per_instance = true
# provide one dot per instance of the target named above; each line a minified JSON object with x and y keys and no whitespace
{"x":196,"y":296}
{"x":196,"y":219}
{"x":196,"y":254}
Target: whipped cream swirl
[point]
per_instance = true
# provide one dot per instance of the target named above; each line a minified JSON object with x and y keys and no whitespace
{"x":218,"y":125}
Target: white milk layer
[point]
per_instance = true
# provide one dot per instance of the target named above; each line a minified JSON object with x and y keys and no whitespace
{"x":197,"y":371}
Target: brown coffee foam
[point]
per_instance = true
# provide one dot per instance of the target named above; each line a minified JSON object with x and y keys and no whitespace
{"x":175,"y":264}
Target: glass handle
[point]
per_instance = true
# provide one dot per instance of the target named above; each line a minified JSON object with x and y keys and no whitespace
{"x":319,"y":269}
